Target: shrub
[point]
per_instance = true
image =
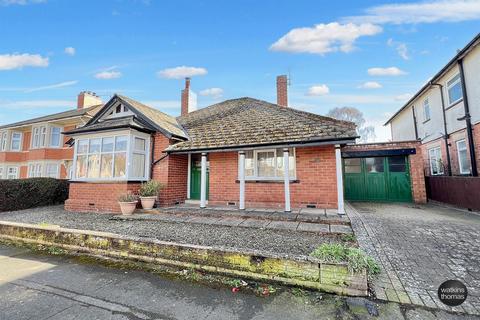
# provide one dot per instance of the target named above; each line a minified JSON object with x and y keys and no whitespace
{"x":127,"y":197}
{"x":150,"y":188}
{"x":21,"y":194}
{"x":356,"y":259}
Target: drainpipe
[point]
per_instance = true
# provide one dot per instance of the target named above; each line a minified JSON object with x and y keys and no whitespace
{"x":415,"y":122}
{"x":445,"y":132}
{"x":467,"y":118}
{"x":152,"y":163}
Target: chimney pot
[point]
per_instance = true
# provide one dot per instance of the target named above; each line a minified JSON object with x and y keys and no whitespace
{"x":282,"y":90}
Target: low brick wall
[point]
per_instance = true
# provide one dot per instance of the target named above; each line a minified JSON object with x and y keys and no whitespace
{"x":308,"y":273}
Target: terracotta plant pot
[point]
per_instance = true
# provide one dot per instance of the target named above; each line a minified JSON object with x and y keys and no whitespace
{"x":127,"y":208}
{"x":148,"y":202}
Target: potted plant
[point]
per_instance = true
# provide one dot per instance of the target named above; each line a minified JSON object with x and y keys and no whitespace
{"x":128,"y":203}
{"x":149,"y":193}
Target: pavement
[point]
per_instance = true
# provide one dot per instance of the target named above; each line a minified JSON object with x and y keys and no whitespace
{"x":418,"y":248}
{"x":38,"y":286}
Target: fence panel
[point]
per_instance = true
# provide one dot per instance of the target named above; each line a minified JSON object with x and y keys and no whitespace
{"x":458,"y":191}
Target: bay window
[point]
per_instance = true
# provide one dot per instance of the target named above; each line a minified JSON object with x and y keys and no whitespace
{"x":39,"y":137}
{"x":51,"y":170}
{"x":119,"y":157}
{"x":268,"y":164}
{"x":55,"y":137}
{"x":34,"y":170}
{"x":12,"y":172}
{"x":3,"y":145}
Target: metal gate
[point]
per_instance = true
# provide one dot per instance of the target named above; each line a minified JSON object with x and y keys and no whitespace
{"x":377,"y":179}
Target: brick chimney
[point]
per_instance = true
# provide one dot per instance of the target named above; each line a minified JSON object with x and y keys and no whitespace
{"x":87,"y":99}
{"x":282,"y":91}
{"x":185,"y":97}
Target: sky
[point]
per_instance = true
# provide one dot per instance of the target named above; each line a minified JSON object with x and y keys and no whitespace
{"x":371,"y":55}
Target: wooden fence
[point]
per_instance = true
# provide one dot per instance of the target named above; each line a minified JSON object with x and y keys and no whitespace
{"x":462,"y":192}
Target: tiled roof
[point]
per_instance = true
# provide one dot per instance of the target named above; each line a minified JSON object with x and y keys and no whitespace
{"x":247,"y":121}
{"x":90,"y":111}
{"x":108,"y":124}
{"x":161,"y":119}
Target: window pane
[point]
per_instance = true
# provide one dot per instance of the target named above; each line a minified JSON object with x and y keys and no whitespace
{"x":43,"y":136}
{"x":107,"y":144}
{"x":353,"y":165}
{"x":139,"y":144}
{"x":397,"y":164}
{"x":82,"y":146}
{"x":463,"y":161}
{"x":52,"y":170}
{"x":93,"y":166}
{"x":374,"y":164}
{"x":106,"y":165}
{"x":138,"y":165}
{"x":16,"y":138}
{"x":94,"y":145}
{"x":291,"y":162}
{"x":266,"y":163}
{"x":81,"y":167}
{"x":249,"y":164}
{"x":121,"y":143}
{"x":55,"y":137}
{"x":455,"y":93}
{"x":120,"y":164}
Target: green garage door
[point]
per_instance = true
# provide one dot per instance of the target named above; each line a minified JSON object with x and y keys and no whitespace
{"x":377,"y":179}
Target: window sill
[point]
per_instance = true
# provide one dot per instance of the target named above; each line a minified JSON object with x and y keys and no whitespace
{"x":454,"y":104}
{"x":268,"y":181}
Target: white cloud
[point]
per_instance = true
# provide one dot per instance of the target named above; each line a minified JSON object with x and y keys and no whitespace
{"x":36,"y":104}
{"x":213,"y":92}
{"x":70,"y":51}
{"x":391,"y":71}
{"x":107,"y":75}
{"x":53,"y":86}
{"x":18,"y":61}
{"x":403,"y":97}
{"x":20,"y":2}
{"x":370,"y":85}
{"x":401,"y":48}
{"x":181,"y":72}
{"x":421,"y":12}
{"x":324,"y":38}
{"x":318,"y":90}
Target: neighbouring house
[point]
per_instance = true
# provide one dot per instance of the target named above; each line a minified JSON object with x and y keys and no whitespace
{"x":445,"y":116}
{"x":241,"y":152}
{"x":36,"y":147}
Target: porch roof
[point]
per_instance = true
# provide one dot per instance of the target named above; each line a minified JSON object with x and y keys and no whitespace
{"x":250,"y":122}
{"x":112,"y":124}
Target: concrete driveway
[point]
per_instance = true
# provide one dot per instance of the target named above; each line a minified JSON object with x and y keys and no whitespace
{"x":419,"y":247}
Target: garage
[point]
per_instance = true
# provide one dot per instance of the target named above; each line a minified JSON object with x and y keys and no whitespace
{"x":379,"y":175}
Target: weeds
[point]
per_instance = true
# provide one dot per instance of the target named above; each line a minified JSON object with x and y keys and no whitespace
{"x":355,"y":258}
{"x":349,"y":237}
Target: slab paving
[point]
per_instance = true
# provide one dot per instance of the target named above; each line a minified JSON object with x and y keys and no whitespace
{"x":313,"y":227}
{"x":418,"y":248}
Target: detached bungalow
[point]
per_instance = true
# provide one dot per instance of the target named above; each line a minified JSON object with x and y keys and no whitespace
{"x":241,"y":152}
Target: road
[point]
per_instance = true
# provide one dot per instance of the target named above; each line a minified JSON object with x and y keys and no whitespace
{"x":39,"y":286}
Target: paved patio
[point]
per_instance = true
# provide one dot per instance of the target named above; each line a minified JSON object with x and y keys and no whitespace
{"x":420,"y":247}
{"x":306,"y":220}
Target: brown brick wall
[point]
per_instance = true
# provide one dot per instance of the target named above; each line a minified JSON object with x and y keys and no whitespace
{"x":416,"y":162}
{"x":316,"y":185}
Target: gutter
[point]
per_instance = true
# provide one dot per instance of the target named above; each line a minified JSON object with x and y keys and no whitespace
{"x":468,"y":121}
{"x":445,"y":131}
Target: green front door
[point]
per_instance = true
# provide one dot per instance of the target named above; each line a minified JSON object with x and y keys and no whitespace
{"x":195,"y":182}
{"x":377,"y":179}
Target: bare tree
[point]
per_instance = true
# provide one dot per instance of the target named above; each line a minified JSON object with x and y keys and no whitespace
{"x":366,"y":133}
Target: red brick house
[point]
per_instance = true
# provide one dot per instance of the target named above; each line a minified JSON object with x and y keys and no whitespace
{"x":241,"y":152}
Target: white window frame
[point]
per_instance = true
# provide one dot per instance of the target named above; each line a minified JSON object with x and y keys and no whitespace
{"x":39,"y":133}
{"x":2,"y":169}
{"x":426,"y":106}
{"x":459,"y":81}
{"x":16,"y":172}
{"x":3,"y":140}
{"x":255,"y":177}
{"x":129,"y":156}
{"x":19,"y":141}
{"x":35,"y":170}
{"x":435,"y":154}
{"x":57,"y":171}
{"x":461,"y":169}
{"x":60,"y":137}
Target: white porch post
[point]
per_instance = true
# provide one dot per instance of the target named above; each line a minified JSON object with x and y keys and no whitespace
{"x":203,"y":182}
{"x":338,"y":158}
{"x":189,"y":174}
{"x":286,"y":179}
{"x":241,"y":178}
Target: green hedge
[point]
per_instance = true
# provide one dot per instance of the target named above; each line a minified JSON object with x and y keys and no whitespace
{"x":21,"y":194}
